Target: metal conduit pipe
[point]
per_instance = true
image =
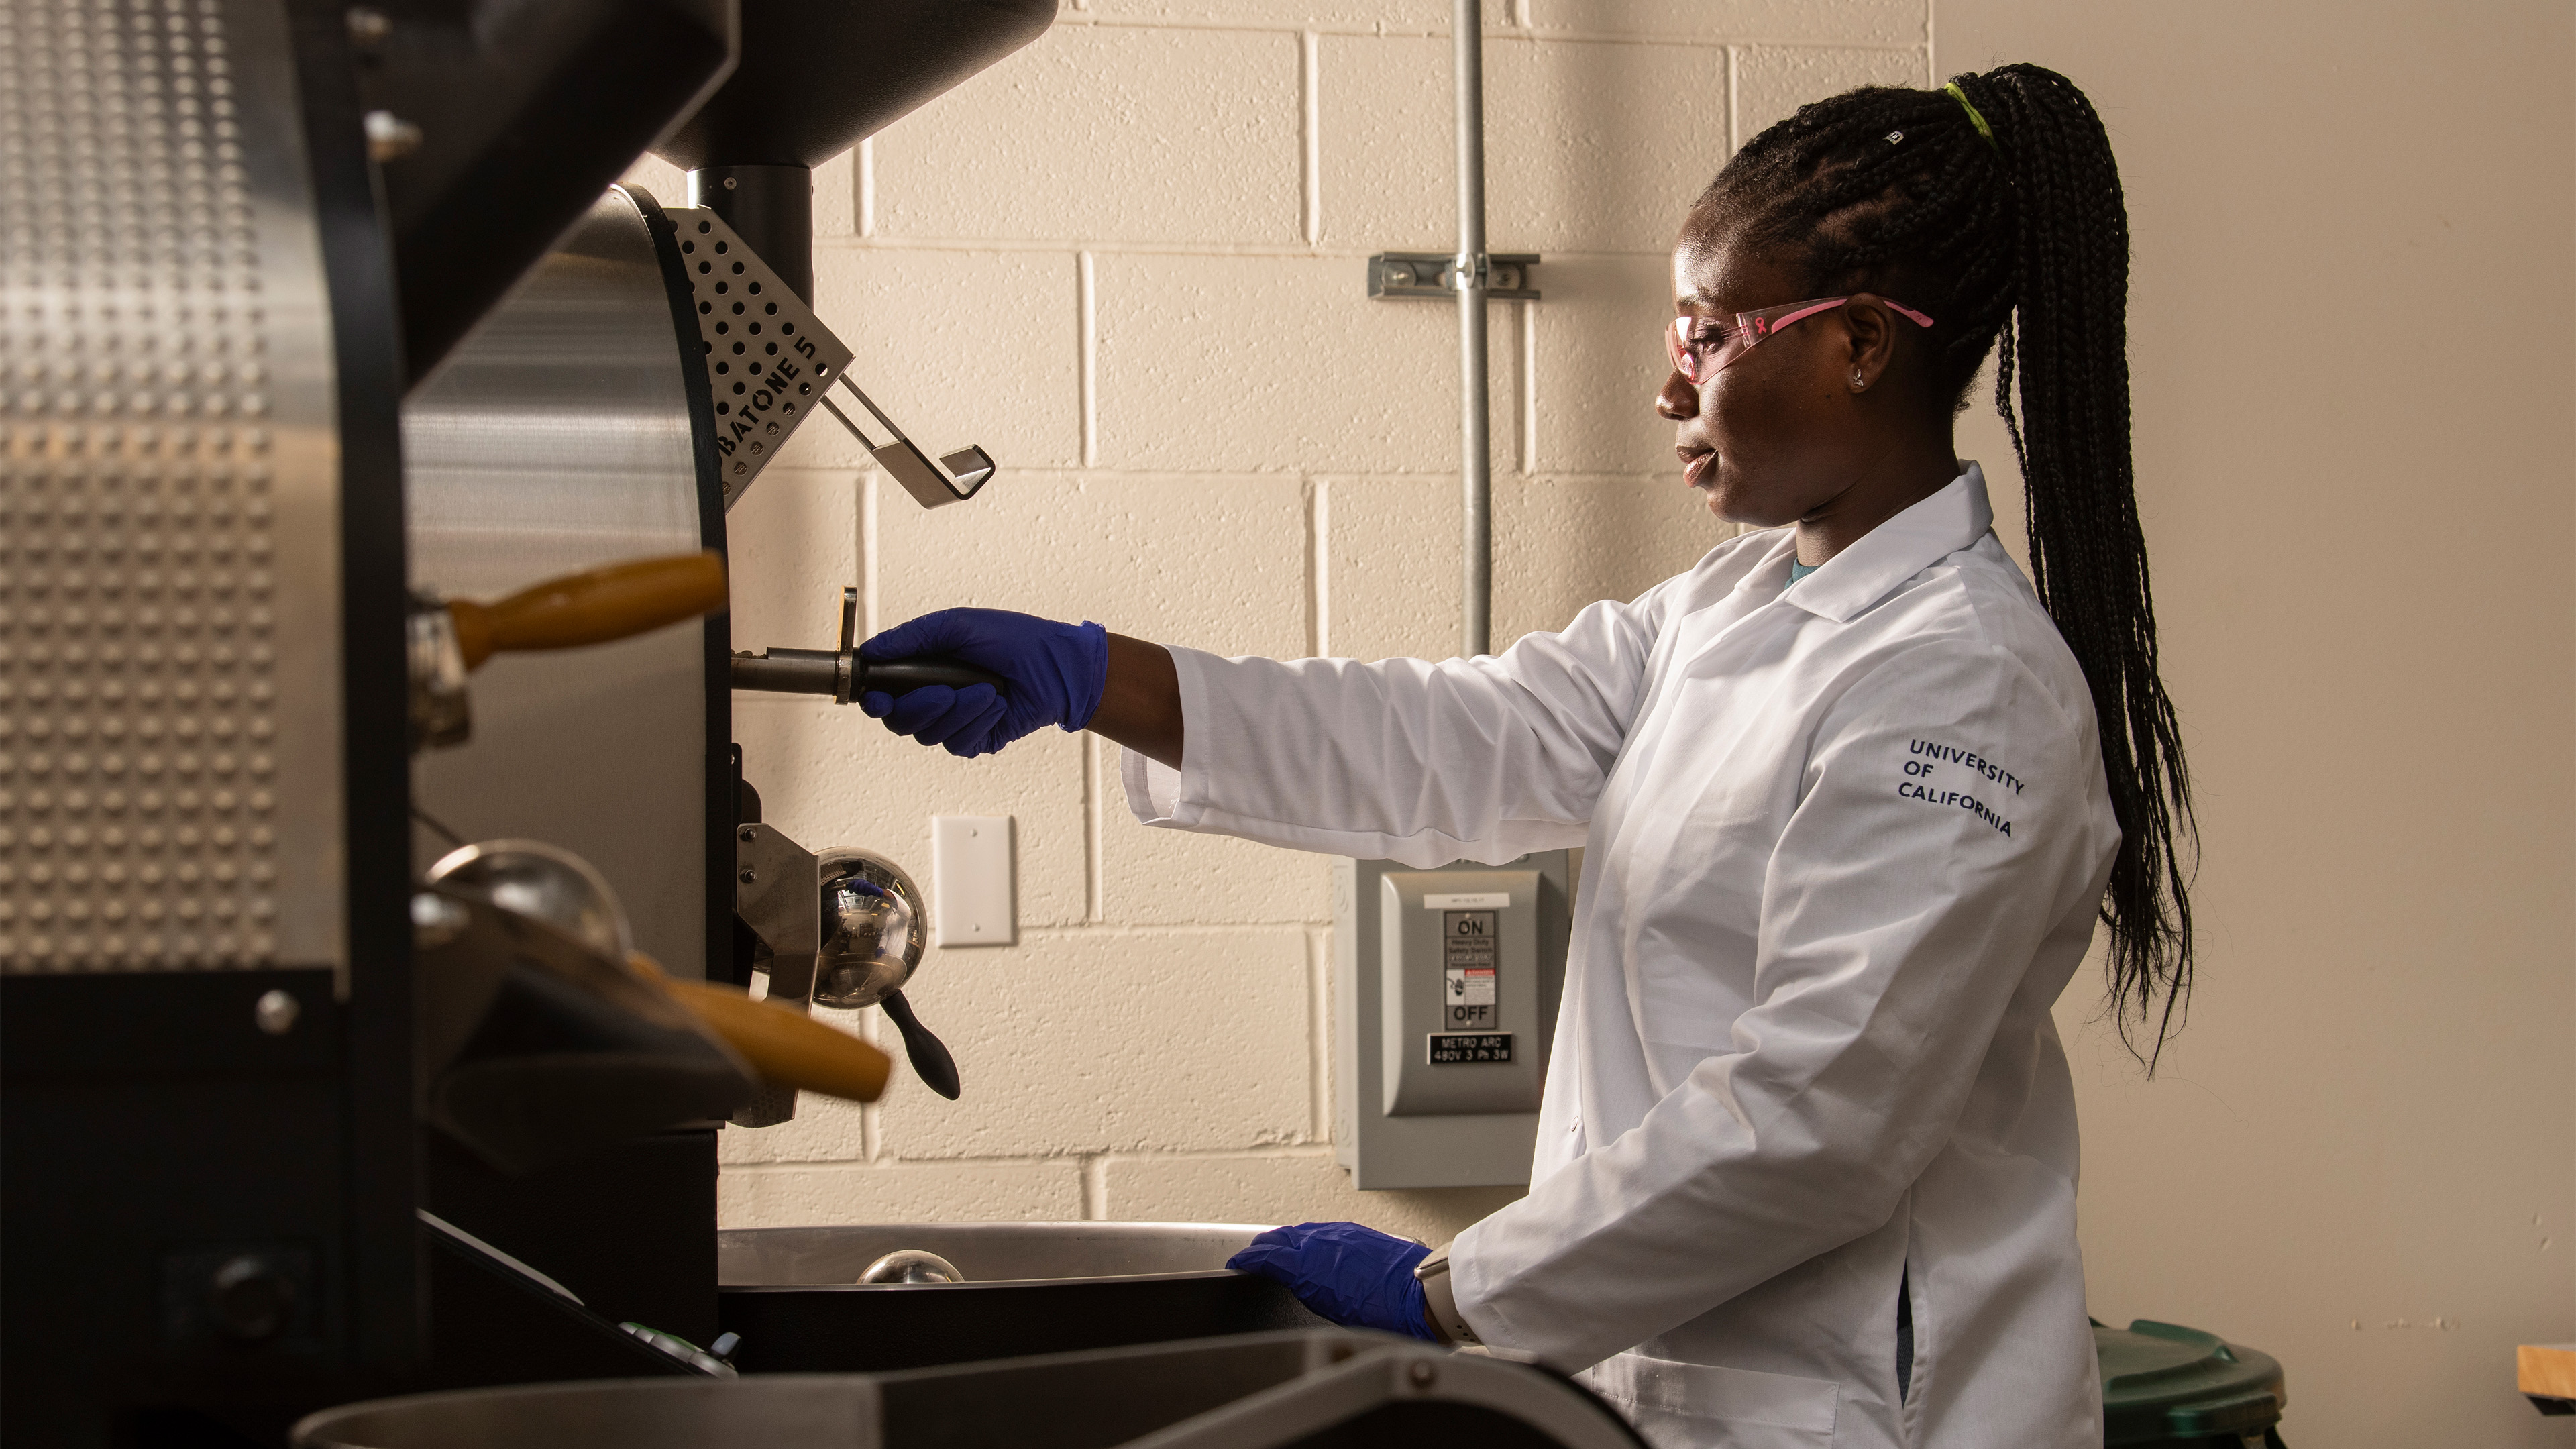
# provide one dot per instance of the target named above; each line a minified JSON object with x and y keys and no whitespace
{"x":1467,"y":275}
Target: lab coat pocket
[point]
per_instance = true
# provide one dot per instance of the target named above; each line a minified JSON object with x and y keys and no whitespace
{"x":1706,"y":1406}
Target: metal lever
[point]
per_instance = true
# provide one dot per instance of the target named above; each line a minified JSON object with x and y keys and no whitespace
{"x":953,"y":479}
{"x":842,"y":674}
{"x":776,"y":884}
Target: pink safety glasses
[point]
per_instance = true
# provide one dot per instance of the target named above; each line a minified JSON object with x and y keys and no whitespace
{"x":1701,"y":347}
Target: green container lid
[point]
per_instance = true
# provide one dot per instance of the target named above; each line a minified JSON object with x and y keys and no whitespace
{"x":2162,"y":1382}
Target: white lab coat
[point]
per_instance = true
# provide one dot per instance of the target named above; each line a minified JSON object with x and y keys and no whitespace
{"x":1846,"y":841}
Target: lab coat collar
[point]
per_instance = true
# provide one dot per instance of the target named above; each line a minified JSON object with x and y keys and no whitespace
{"x":1897,"y":550}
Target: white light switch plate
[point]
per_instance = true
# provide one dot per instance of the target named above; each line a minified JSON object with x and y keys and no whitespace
{"x":970,"y":881}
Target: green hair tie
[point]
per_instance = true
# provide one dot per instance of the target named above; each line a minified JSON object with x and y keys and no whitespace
{"x":1982,"y":128}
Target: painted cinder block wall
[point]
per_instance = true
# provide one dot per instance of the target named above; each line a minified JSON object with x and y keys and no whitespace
{"x":1128,"y":261}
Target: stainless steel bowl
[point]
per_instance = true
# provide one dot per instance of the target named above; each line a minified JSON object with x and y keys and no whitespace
{"x":980,"y":1253}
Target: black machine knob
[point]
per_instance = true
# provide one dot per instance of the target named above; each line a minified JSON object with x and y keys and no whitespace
{"x":248,"y":1299}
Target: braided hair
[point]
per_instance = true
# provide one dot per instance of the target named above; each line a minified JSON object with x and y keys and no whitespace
{"x":1994,"y":204}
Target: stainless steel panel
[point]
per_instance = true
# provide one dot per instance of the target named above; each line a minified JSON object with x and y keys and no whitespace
{"x":170,"y":752}
{"x":1246,"y":1391}
{"x":984,"y":1252}
{"x":802,"y":1411}
{"x":556,"y":437}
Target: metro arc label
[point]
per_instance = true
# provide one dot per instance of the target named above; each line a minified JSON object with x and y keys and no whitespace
{"x":1450,"y":1050}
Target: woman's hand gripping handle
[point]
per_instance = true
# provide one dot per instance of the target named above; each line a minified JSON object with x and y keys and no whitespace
{"x":1073,"y":676}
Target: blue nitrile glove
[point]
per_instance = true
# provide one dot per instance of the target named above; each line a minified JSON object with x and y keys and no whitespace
{"x":1357,"y":1277}
{"x":1055,"y":674}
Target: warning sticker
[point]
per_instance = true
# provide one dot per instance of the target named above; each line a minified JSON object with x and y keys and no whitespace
{"x":1449,"y":1051}
{"x":1469,"y":954}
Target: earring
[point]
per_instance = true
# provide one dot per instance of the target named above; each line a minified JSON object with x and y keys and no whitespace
{"x":1858,"y":382}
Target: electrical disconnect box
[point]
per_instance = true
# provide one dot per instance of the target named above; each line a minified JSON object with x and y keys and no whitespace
{"x":1445,"y":990}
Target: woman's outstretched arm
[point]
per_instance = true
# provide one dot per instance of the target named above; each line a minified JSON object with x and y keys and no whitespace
{"x":1140,"y":702}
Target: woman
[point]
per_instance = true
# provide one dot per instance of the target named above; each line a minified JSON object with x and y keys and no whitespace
{"x":1854,"y":794}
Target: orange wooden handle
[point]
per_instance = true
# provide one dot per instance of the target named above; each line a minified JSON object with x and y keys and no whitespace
{"x":788,"y":1049}
{"x":592,"y":607}
{"x":2546,"y":1369}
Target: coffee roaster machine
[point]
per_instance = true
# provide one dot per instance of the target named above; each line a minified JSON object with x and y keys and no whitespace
{"x":379,"y":883}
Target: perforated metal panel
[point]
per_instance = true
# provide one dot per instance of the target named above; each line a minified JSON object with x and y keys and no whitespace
{"x":170,"y":764}
{"x":768,"y":357}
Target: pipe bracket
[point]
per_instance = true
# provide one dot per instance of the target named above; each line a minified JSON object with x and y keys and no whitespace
{"x":1436,"y":275}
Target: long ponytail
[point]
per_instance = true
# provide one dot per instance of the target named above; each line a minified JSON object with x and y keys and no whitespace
{"x":1997,"y":202}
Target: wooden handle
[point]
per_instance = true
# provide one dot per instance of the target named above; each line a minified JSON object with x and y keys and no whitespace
{"x":787,"y":1049}
{"x":592,"y":607}
{"x":2546,"y":1369}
